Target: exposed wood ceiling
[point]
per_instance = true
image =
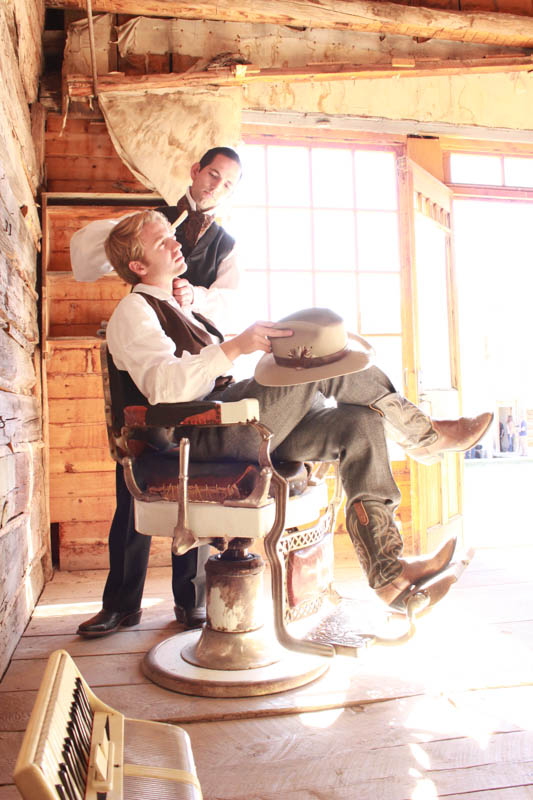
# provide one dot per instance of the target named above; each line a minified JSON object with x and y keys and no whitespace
{"x":428,"y":21}
{"x":82,"y":86}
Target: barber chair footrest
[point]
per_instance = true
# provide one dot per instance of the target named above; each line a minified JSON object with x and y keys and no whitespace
{"x":339,"y":628}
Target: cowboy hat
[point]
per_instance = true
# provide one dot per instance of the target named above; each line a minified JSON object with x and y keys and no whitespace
{"x":319,"y":348}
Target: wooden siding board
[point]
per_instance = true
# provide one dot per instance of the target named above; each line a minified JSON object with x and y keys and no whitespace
{"x":24,"y":580}
{"x":73,"y":356}
{"x":20,"y":418}
{"x":82,"y":509}
{"x":76,"y":410}
{"x":18,"y":371}
{"x":85,"y":484}
{"x":82,"y":436}
{"x":17,"y":301}
{"x":60,"y":386}
{"x":70,"y":312}
{"x":84,"y":546}
{"x":15,"y":103}
{"x":17,"y":242}
{"x":15,"y":483}
{"x":63,"y":286}
{"x":81,"y":459}
{"x":82,"y":158}
{"x":29,"y":24}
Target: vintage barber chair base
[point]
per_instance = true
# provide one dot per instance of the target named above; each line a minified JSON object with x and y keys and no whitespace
{"x":235,"y":654}
{"x":165,"y":665}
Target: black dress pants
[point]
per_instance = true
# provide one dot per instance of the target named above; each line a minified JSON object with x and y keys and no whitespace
{"x":128,"y":562}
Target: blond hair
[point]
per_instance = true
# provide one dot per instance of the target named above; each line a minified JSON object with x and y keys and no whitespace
{"x":124,"y":242}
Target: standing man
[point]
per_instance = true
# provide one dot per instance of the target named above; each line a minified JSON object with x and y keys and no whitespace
{"x":212,"y":276}
{"x":207,"y":287}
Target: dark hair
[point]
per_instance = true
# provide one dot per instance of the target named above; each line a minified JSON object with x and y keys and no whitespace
{"x":227,"y":152}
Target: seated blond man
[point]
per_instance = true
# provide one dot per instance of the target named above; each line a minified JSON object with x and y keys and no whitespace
{"x":166,"y":355}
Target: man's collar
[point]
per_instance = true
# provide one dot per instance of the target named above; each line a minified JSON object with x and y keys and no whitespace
{"x":155,"y":291}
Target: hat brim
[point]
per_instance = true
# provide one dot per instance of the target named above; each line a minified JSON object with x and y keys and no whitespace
{"x":268,"y":373}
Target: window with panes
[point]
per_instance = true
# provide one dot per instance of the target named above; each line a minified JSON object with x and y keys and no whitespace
{"x":317,"y":225}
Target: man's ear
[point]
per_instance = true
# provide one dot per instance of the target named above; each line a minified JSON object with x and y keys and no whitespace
{"x":138,"y":267}
{"x":195,"y":169}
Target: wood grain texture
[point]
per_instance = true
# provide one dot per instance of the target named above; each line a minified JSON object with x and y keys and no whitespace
{"x":355,"y":15}
{"x":446,"y":715}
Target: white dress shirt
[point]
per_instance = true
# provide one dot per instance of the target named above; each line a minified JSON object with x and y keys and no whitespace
{"x":89,"y":262}
{"x":139,"y":345}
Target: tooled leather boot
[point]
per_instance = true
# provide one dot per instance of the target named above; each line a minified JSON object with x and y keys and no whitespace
{"x":456,"y":435}
{"x":379,"y":545}
{"x":417,"y":571}
{"x":425,"y":439}
{"x":376,"y":539}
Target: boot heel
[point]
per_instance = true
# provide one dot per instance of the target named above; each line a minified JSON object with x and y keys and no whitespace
{"x":132,"y":619}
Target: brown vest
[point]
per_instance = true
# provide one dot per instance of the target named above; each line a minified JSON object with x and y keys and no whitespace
{"x":186,"y":335}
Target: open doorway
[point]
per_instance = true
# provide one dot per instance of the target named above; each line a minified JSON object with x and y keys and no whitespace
{"x":492,"y":236}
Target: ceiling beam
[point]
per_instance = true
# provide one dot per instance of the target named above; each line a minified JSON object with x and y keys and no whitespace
{"x":345,"y":15}
{"x":82,"y":86}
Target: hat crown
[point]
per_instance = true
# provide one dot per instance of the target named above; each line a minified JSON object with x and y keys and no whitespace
{"x":317,"y":333}
{"x":317,"y":350}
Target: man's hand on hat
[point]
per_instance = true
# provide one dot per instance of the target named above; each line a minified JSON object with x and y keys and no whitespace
{"x":183,"y":291}
{"x":256,"y":337}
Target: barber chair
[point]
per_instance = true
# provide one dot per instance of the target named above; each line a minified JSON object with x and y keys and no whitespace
{"x":229,"y":505}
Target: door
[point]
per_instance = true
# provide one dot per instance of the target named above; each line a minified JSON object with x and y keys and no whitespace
{"x":430,"y":347}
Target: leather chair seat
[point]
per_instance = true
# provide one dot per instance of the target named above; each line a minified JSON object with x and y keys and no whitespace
{"x":215,"y":481}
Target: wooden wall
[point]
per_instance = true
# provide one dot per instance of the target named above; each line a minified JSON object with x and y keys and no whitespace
{"x":24,"y":540}
{"x":86,"y":180}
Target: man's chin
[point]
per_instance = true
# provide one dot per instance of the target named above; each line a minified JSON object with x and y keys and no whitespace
{"x":205,"y":205}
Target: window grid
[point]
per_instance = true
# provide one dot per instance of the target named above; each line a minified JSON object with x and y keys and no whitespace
{"x":457,"y":177}
{"x":313,"y":271}
{"x":356,"y":251}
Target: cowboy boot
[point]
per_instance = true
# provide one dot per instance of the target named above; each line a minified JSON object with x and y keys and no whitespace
{"x":423,"y":438}
{"x":376,"y":539}
{"x":420,"y":573}
{"x":456,"y":435}
{"x":379,"y":545}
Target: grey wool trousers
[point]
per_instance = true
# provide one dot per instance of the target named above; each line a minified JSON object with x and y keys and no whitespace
{"x":305,"y":428}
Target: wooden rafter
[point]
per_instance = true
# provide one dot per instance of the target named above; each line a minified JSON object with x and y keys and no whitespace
{"x":81,"y":85}
{"x":345,"y":15}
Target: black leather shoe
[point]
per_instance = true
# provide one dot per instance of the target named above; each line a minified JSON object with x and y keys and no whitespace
{"x":190,"y":617}
{"x":108,"y":622}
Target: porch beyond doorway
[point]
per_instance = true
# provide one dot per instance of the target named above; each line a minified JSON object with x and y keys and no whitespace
{"x":497,"y":501}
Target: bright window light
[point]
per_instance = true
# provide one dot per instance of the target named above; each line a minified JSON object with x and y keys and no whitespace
{"x":480,"y":169}
{"x":518,"y":172}
{"x":317,"y":225}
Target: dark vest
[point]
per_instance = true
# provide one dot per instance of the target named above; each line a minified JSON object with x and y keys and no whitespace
{"x":185,"y":335}
{"x":204,"y":259}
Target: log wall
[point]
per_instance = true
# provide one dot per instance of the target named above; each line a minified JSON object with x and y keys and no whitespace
{"x":24,"y":539}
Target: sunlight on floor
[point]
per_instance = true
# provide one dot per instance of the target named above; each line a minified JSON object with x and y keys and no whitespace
{"x":425,"y":789}
{"x":320,"y":719}
{"x":93,"y":607}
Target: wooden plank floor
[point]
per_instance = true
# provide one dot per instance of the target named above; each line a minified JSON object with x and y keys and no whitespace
{"x":450,"y":714}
